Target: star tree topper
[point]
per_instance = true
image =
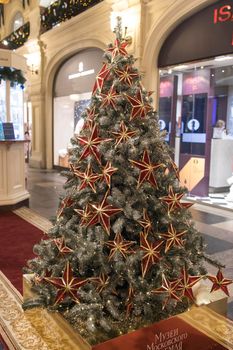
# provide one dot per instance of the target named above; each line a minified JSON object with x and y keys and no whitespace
{"x":119,"y":48}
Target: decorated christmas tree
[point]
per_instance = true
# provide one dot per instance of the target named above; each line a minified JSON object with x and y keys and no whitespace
{"x":123,"y":251}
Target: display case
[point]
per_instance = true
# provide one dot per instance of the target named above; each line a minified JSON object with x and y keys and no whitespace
{"x":3,"y":101}
{"x":12,"y":156}
{"x":16,"y":110}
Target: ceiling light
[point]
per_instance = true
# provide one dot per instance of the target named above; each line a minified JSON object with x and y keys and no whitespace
{"x":81,"y":74}
{"x":223,"y":58}
{"x":180,"y":67}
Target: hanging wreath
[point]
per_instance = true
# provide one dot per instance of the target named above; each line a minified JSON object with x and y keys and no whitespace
{"x":15,"y":76}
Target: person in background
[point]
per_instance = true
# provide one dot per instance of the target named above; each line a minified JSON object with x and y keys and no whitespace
{"x":26,"y":146}
{"x":219,"y":131}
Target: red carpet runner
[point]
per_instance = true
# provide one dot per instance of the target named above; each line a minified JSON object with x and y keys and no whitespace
{"x":17,"y":238}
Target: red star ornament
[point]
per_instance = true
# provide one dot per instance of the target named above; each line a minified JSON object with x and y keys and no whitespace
{"x":67,"y":285}
{"x":139,"y":108}
{"x":123,"y":135}
{"x":90,"y":144}
{"x":220,"y":282}
{"x":91,"y":115}
{"x":65,"y":203}
{"x":61,"y":246}
{"x":118,"y":49}
{"x":146,"y":222}
{"x":186,"y":283}
{"x":126,"y":75}
{"x":85,"y":214}
{"x":109,"y":99}
{"x":151,"y":253}
{"x":119,"y":245}
{"x":101,"y":213}
{"x":146,"y":170}
{"x":88,"y":178}
{"x":101,"y":282}
{"x":107,"y":173}
{"x":74,"y":169}
{"x":168,"y":287}
{"x":173,"y":238}
{"x":129,"y":301}
{"x":99,"y":80}
{"x":173,"y":167}
{"x":172,"y":200}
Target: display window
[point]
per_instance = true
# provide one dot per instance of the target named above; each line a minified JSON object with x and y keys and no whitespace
{"x":197,"y":98}
{"x":72,"y":93}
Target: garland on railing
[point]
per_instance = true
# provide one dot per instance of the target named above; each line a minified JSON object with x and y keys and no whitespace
{"x":63,"y":10}
{"x":15,"y":76}
{"x":17,"y":38}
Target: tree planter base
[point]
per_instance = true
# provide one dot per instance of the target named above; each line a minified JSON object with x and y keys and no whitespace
{"x":197,"y":329}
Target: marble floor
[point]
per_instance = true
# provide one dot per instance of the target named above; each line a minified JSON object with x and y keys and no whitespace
{"x":215,"y":224}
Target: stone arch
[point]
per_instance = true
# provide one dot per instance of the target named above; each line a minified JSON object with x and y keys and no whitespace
{"x":48,"y":79}
{"x":159,"y":32}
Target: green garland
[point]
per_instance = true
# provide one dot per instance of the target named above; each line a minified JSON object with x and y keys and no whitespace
{"x":15,"y":76}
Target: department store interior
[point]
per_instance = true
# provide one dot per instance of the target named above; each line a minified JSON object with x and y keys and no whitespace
{"x":50,"y":54}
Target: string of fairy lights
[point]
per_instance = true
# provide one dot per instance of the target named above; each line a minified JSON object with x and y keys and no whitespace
{"x":62,"y":10}
{"x":57,"y":12}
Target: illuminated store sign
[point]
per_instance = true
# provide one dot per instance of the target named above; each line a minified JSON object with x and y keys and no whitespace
{"x":207,"y":33}
{"x":223,"y":14}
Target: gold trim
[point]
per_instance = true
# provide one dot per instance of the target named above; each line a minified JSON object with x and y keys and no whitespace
{"x":214,"y":325}
{"x":33,"y":218}
{"x":34,"y":329}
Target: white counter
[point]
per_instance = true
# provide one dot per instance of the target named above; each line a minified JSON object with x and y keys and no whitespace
{"x":12,"y":173}
{"x":221,"y":162}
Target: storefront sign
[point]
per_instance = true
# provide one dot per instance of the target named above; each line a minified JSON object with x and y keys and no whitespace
{"x":208,"y":33}
{"x":224,"y":14}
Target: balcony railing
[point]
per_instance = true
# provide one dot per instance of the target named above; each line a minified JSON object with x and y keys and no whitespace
{"x":16,"y":38}
{"x":62,"y":10}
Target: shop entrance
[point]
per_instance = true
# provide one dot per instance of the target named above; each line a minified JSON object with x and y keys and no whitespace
{"x":196,"y":101}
